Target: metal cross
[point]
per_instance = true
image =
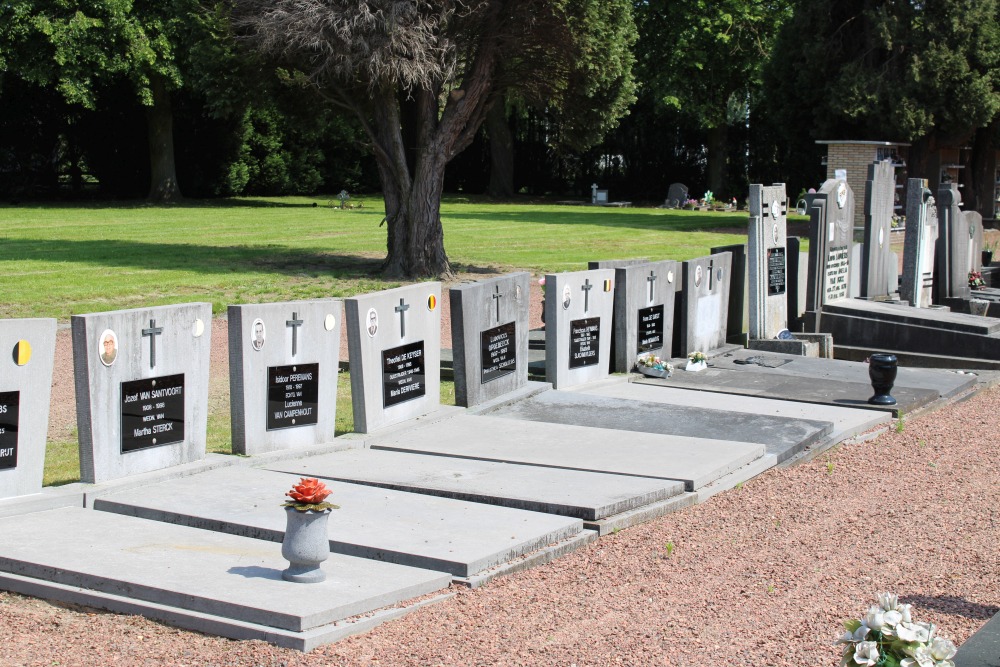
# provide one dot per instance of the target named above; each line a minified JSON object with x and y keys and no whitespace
{"x":153,"y":331}
{"x":586,"y":287}
{"x":294,"y":323}
{"x":497,"y":295}
{"x":401,"y":309}
{"x":651,"y":279}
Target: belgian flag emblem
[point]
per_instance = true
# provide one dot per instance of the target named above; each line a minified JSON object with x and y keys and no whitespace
{"x":432,"y":302}
{"x":22,"y":352}
{"x":607,"y":285}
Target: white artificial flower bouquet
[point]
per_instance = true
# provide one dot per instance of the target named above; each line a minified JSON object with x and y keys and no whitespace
{"x":887,"y":636}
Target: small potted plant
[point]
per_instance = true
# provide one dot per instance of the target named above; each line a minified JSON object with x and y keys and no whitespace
{"x":306,"y":544}
{"x":697,"y":361}
{"x":888,"y":635}
{"x":976,"y":280}
{"x":653,"y":366}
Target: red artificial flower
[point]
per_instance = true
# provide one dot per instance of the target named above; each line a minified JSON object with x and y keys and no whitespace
{"x":309,"y":491}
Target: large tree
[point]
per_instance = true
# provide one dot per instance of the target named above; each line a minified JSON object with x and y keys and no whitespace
{"x":421,"y":76}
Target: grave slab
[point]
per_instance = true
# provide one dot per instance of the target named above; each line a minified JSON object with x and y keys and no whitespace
{"x":283,"y":365}
{"x":694,"y":461}
{"x":227,"y":577}
{"x":585,"y":495}
{"x":459,"y":537}
{"x":982,"y":649}
{"x":782,"y":437}
{"x":27,"y":349}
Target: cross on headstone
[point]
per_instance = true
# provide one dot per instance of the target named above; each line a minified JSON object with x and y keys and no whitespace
{"x":651,"y":279}
{"x":153,"y":331}
{"x":401,"y":309}
{"x":586,"y":287}
{"x":711,"y":270}
{"x":497,"y":295}
{"x":294,"y":323}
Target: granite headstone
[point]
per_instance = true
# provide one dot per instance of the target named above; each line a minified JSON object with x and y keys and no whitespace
{"x":768,"y":261}
{"x":578,"y":310}
{"x":831,"y":226}
{"x":878,"y":265}
{"x":644,"y":312}
{"x":704,"y":309}
{"x":918,"y":246}
{"x":954,"y":244}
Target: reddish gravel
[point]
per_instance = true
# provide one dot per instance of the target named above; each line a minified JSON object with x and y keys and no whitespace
{"x":760,"y":575}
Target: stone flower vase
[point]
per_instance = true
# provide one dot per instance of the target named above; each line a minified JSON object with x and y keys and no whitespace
{"x":306,"y":545}
{"x":882,"y":371}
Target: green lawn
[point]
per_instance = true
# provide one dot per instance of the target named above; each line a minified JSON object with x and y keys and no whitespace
{"x":57,"y":260}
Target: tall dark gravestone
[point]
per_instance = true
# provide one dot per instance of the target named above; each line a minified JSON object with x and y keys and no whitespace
{"x":952,"y":255}
{"x":917,"y":285}
{"x":878,"y":265}
{"x":831,"y":226}
{"x":489,"y":337}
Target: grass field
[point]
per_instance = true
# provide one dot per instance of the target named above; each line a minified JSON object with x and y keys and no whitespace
{"x":59,"y":260}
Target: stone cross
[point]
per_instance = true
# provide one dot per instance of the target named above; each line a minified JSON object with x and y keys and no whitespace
{"x":586,"y":287}
{"x":651,"y":280}
{"x":401,"y":309}
{"x":497,"y":295}
{"x":294,"y":323}
{"x":152,"y":332}
{"x":711,"y":270}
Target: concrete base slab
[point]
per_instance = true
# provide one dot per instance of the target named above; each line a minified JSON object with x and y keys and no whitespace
{"x":782,"y":436}
{"x":534,"y":559}
{"x":589,"y":496}
{"x":642,"y":514}
{"x":981,"y":649}
{"x":454,"y":536}
{"x":694,"y":461}
{"x":222,"y":576}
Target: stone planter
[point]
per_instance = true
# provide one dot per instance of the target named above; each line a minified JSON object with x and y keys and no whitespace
{"x":696,"y":366}
{"x":652,"y":372}
{"x":306,"y":545}
{"x":882,"y":372}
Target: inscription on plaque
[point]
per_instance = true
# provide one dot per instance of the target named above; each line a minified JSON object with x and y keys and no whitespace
{"x":584,"y":342}
{"x":292,"y":396}
{"x":499,"y":352}
{"x":650,"y":328}
{"x":10,"y":402}
{"x":775,"y":271}
{"x":837,"y":268}
{"x":403,"y":374}
{"x":152,"y":412}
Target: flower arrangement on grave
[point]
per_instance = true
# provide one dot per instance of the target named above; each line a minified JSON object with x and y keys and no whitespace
{"x":976,"y":280}
{"x":541,"y":282}
{"x":309,"y":494}
{"x":887,"y":635}
{"x":653,"y":362}
{"x":690,"y":203}
{"x":707,"y":199}
{"x":697,"y":357}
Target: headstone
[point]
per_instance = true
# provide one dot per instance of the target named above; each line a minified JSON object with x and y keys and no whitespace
{"x":737,"y":324}
{"x":643,"y":312}
{"x":616,"y":263}
{"x":797,"y":277}
{"x":954,"y":243}
{"x":768,"y":261}
{"x":831,"y":226}
{"x":27,"y":350}
{"x":141,"y":388}
{"x":974,"y":223}
{"x":489,"y":337}
{"x":677,"y":195}
{"x":394,"y":343}
{"x":878,"y":266}
{"x":704,"y":303}
{"x":578,"y":308}
{"x":283,"y":364}
{"x":918,"y":246}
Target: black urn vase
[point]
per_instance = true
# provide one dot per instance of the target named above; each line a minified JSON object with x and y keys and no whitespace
{"x":882,"y":371}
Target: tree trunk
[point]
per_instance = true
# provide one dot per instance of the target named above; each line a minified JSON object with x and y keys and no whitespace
{"x":159,"y":119}
{"x":716,"y":169}
{"x":501,"y":184}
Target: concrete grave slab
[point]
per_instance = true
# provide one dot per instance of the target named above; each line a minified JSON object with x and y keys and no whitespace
{"x":394,"y":343}
{"x":227,"y":579}
{"x":27,"y":351}
{"x":141,"y":388}
{"x":782,"y":437}
{"x":589,"y":496}
{"x":704,"y":309}
{"x":454,"y":536}
{"x":578,"y":331}
{"x":283,"y":365}
{"x":694,"y":461}
{"x":489,"y":334}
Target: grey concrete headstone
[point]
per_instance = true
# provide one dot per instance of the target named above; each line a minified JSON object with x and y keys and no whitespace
{"x":616,"y":263}
{"x":974,"y":223}
{"x":951,"y":255}
{"x":283,"y":364}
{"x":27,"y":350}
{"x":644,"y":311}
{"x":489,"y":337}
{"x":919,"y":244}
{"x":141,"y":388}
{"x":394,"y":343}
{"x":768,"y":261}
{"x":578,"y":332}
{"x":739,"y":301}
{"x":831,"y":226}
{"x":704,"y":303}
{"x":878,"y":262}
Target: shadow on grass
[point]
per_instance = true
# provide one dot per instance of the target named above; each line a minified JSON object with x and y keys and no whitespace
{"x":652,"y":220}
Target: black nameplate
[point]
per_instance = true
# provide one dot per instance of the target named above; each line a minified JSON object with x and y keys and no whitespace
{"x":10,"y":409}
{"x":499,"y":352}
{"x":584,"y":342}
{"x":650,"y":328}
{"x":152,"y":412}
{"x":403,"y":374}
{"x":775,"y":271}
{"x":292,"y":396}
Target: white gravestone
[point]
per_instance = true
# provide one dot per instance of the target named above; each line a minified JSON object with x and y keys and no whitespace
{"x":767,"y":261}
{"x":27,"y":349}
{"x":578,"y":309}
{"x":141,"y":388}
{"x":394,"y":343}
{"x":705,"y":303}
{"x":918,"y":247}
{"x":283,"y":364}
{"x":831,"y":226}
